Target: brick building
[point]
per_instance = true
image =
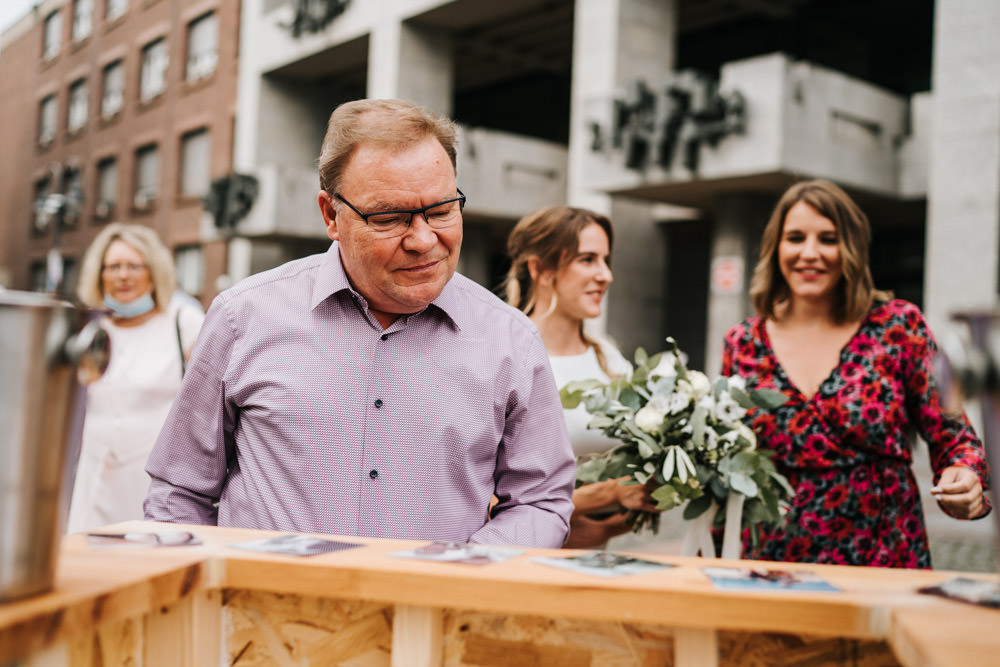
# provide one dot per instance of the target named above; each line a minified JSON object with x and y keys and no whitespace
{"x":126,"y":108}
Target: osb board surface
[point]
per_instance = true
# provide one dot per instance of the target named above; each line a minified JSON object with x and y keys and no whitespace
{"x":499,"y":640}
{"x":273,"y":629}
{"x":770,"y":649}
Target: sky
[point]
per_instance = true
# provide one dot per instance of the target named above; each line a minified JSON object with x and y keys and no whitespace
{"x":12,"y":10}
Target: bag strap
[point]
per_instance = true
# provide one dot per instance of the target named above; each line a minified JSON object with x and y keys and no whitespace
{"x":180,"y":343}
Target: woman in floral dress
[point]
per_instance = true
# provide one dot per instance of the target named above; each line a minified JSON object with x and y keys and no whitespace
{"x":856,"y":368}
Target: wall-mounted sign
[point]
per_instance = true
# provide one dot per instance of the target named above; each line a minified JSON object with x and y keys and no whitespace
{"x":727,"y":275}
{"x":314,"y":15}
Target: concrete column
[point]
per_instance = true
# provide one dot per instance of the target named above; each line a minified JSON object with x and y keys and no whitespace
{"x":411,"y":63}
{"x":614,"y":43}
{"x":739,"y":220}
{"x":963,"y":201}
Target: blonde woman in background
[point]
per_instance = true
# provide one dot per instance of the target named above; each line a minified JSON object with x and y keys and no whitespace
{"x":560,"y":271}
{"x":128,"y":271}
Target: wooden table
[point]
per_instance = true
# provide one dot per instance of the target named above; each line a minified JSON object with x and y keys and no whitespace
{"x":212,"y":604}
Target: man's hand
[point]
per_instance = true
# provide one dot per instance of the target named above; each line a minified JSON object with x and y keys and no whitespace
{"x":960,"y":492}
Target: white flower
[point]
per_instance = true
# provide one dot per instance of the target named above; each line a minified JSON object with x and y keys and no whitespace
{"x":649,"y":419}
{"x":727,"y":410}
{"x":747,"y":434}
{"x":678,"y":401}
{"x":711,"y":439}
{"x":660,"y":403}
{"x":700,"y":384}
{"x":738,"y":381}
{"x":666,"y":368}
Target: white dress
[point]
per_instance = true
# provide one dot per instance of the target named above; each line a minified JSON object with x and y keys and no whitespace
{"x":584,"y":367}
{"x":126,"y":408}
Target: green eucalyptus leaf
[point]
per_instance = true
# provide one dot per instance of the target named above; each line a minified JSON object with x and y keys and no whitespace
{"x":742,"y":483}
{"x":768,"y":398}
{"x":697,"y":507}
{"x":741,"y":397}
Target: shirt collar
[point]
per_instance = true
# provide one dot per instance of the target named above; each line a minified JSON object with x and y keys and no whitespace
{"x":331,"y":279}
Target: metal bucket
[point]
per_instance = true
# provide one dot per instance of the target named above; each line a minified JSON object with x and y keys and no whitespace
{"x":49,"y":351}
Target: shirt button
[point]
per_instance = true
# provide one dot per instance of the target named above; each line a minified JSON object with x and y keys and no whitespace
{"x":373,"y":474}
{"x":378,"y":402}
{"x":385,"y":336}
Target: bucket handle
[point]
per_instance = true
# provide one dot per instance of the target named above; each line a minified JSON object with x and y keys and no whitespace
{"x":90,"y":351}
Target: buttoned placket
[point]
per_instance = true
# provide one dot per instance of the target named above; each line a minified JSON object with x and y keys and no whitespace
{"x":375,"y":489}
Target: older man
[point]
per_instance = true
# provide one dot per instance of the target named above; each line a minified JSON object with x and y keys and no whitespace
{"x":371,"y":390}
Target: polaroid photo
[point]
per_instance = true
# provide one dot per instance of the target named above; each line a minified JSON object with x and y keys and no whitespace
{"x":164,"y":538}
{"x":965,"y":589}
{"x":459,"y":552}
{"x":604,"y":564}
{"x":294,"y":545}
{"x":767,"y":579}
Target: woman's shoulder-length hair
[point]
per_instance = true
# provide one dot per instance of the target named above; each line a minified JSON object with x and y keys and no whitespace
{"x":855,"y":293}
{"x":146,"y":241}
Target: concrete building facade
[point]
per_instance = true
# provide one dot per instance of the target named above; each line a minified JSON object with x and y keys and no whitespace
{"x":114,"y":110}
{"x":682,"y":119}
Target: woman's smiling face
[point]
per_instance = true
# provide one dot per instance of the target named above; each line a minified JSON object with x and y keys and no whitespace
{"x":809,"y":254}
{"x":581,"y":284}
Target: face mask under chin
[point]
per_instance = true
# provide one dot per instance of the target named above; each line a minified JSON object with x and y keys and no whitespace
{"x":134,"y":308}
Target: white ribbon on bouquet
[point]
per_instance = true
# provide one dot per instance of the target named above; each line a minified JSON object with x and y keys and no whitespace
{"x":699,"y":534}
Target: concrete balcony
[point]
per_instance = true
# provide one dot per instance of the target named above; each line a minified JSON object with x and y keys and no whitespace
{"x":506,"y":176}
{"x":798,"y":120}
{"x":503,"y":175}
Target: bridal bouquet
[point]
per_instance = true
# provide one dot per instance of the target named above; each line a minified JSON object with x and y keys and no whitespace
{"x":685,"y":433}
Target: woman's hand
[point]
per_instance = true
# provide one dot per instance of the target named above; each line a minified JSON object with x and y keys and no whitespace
{"x":585,"y":532}
{"x":960,"y":492}
{"x":600,"y":498}
{"x":636,"y":496}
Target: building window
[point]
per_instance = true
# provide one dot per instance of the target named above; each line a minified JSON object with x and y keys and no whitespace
{"x":202,"y":48}
{"x":47,"y":120}
{"x":73,"y":189}
{"x":154,"y":70}
{"x":112,"y":96}
{"x":77,"y":116}
{"x":53,"y":31}
{"x":195,"y":163}
{"x":83,"y":11}
{"x":114,"y":8}
{"x":107,"y":188}
{"x":190,"y":262}
{"x":147,"y":175}
{"x":39,"y":219}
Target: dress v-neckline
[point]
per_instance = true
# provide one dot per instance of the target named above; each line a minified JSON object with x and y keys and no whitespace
{"x":766,"y":338}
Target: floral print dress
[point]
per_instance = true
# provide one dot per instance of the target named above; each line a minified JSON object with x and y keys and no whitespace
{"x":846,"y":450}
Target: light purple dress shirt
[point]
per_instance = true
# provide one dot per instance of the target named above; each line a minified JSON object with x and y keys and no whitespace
{"x":300,"y":412}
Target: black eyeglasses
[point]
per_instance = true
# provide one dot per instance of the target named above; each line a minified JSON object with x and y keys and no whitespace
{"x":441,"y":215}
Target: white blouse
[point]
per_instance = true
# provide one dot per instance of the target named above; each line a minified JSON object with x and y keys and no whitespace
{"x":583,"y":367}
{"x":126,"y":408}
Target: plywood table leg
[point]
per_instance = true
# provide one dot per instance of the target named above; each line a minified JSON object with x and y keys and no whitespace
{"x":696,"y":648}
{"x":187,"y":633}
{"x":417,"y":634}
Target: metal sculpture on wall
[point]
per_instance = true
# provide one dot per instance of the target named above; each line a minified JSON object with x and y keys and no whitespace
{"x":229,"y":199}
{"x":688,"y":112}
{"x":314,"y":15}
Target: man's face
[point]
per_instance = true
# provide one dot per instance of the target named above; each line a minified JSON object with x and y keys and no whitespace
{"x":401,"y":274}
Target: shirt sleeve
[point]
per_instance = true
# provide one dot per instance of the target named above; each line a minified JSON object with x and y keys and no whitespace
{"x":950,"y":437}
{"x":536,"y":471}
{"x":188,"y":464}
